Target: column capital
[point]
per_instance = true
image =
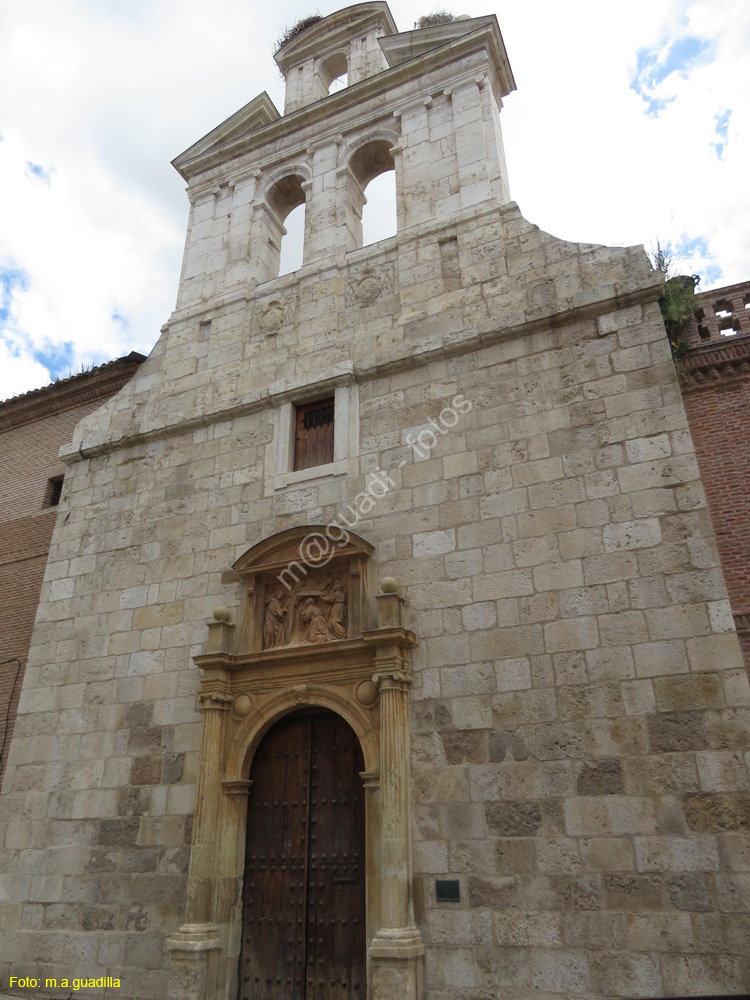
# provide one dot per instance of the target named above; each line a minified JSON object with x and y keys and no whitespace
{"x":218,"y":700}
{"x":370,"y":779}
{"x":393,"y":677}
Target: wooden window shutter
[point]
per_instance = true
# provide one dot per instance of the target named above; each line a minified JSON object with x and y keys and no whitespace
{"x":313,"y":439}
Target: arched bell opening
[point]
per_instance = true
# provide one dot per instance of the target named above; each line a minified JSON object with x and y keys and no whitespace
{"x":372,"y":216}
{"x":334,"y":72}
{"x":279,"y":225}
{"x":287,"y":201}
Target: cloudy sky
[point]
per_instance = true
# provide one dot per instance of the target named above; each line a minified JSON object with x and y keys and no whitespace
{"x":630,"y":124}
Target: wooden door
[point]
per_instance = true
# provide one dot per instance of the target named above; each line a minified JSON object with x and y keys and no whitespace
{"x":303,"y":933}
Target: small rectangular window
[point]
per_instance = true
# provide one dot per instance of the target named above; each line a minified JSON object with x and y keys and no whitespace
{"x":313,"y":438}
{"x":53,"y":492}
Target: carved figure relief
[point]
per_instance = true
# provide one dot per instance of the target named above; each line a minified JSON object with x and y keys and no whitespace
{"x":295,"y":599}
{"x":312,"y":612}
{"x":337,"y":617}
{"x":273,"y":626}
{"x":313,"y":619}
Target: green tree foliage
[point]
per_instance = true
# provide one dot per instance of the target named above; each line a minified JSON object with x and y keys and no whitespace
{"x":677,"y":304}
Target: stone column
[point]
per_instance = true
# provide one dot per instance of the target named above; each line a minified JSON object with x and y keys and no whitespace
{"x":203,"y":855}
{"x":228,"y":904}
{"x":394,"y":751}
{"x":194,"y":948}
{"x":396,"y":950}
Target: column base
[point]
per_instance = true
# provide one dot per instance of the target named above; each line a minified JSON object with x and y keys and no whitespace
{"x":193,"y":950}
{"x":396,"y":964}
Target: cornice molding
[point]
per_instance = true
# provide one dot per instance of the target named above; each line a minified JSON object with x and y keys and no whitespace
{"x":586,"y":304}
{"x":710,"y":365}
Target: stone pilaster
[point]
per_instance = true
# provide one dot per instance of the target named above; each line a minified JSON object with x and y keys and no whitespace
{"x":396,"y":950}
{"x":194,"y":948}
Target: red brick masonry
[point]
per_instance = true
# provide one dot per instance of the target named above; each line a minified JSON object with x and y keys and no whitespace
{"x":715,"y":384}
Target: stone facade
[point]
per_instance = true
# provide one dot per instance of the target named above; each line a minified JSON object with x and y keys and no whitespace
{"x":557,"y":711}
{"x":33,"y":427}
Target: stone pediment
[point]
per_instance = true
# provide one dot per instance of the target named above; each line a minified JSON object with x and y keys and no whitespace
{"x":260,"y":111}
{"x":335,"y":29}
{"x":302,"y":544}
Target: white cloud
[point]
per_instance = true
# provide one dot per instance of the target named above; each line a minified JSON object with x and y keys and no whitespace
{"x":101,"y":97}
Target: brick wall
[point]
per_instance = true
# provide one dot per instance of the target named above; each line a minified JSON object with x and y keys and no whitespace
{"x":32,"y":429}
{"x":720,"y":315}
{"x":716,"y":391}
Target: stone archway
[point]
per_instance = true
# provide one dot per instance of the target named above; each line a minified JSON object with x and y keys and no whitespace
{"x":317,"y":638}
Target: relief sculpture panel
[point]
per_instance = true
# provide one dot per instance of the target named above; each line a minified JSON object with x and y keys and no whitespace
{"x":311,"y":612}
{"x":293,"y":602}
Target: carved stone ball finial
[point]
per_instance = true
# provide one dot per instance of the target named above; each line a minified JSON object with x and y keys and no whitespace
{"x":389,"y":585}
{"x":221,"y":614}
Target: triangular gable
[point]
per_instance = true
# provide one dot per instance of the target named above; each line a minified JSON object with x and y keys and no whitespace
{"x":254,"y":115}
{"x":406,"y":45}
{"x":337,"y":28}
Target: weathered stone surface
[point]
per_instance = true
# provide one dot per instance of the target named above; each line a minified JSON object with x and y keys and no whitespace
{"x":615,"y":974}
{"x":574,"y":714}
{"x":118,"y":832}
{"x":676,"y":731}
{"x":495,"y":893}
{"x":603,"y":778}
{"x":633,"y":892}
{"x":98,"y":918}
{"x":146,"y":771}
{"x":502,"y":742}
{"x":173,"y":768}
{"x":514,"y":819}
{"x":689,"y":892}
{"x":717,"y":813}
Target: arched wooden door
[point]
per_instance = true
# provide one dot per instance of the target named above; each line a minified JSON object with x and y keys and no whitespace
{"x":303,"y":930}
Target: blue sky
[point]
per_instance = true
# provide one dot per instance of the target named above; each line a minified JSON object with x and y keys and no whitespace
{"x":656,"y":64}
{"x":624,"y":129}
